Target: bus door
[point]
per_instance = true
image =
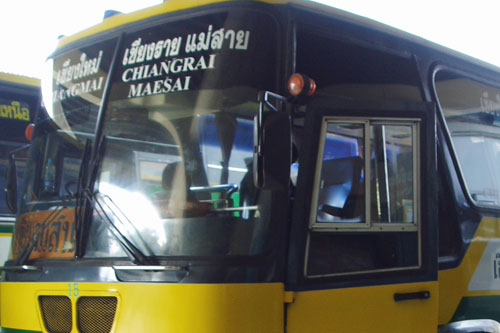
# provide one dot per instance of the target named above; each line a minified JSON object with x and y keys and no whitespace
{"x":363,"y":239}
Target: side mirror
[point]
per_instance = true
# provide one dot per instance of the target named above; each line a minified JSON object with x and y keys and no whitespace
{"x":272,"y":145}
{"x":11,"y":185}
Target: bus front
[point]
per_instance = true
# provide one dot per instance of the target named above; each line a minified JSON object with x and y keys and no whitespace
{"x":139,"y":211}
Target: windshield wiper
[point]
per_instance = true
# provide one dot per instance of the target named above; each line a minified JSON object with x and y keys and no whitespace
{"x":87,"y":200}
{"x":80,"y":206}
{"x":132,"y":250}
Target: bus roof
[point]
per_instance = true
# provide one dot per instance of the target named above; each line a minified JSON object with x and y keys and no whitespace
{"x":18,"y":79}
{"x":171,"y":6}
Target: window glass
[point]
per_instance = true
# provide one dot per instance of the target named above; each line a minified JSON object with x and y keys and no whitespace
{"x":361,"y":252}
{"x":344,"y":171}
{"x":472,"y":113}
{"x":341,"y":185}
{"x":176,"y":168}
{"x":392,"y":173}
{"x":72,"y":96}
{"x":350,"y":71}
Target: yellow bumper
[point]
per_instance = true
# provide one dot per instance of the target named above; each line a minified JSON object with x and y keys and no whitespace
{"x":155,"y":307}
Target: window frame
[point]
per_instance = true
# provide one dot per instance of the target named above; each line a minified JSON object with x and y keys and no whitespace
{"x":448,"y":137}
{"x":368,"y":225}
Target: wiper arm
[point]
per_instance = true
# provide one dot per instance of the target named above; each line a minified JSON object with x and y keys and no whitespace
{"x":80,"y":206}
{"x":135,"y":254}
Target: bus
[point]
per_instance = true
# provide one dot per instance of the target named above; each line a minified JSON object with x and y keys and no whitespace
{"x":258,"y":166}
{"x":19,"y":98}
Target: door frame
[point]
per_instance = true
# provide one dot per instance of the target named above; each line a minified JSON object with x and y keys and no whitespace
{"x":317,"y":110}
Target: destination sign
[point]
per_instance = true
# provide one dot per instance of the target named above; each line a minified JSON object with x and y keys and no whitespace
{"x":15,"y":110}
{"x":167,"y":64}
{"x":490,"y":104}
{"x":82,"y":73}
{"x":215,"y":51}
{"x":51,"y":234}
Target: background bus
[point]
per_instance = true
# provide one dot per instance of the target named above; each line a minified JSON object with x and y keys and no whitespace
{"x":19,"y":98}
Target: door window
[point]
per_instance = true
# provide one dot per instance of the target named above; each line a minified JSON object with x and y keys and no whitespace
{"x":365,"y":202}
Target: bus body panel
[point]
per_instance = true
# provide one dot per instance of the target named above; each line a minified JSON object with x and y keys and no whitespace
{"x":368,"y":309}
{"x":169,"y":307}
{"x":474,"y":277}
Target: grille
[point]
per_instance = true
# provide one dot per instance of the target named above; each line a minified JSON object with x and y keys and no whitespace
{"x":56,"y":313}
{"x":95,"y":314}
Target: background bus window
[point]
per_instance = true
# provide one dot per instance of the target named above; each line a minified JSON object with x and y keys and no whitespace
{"x":472,"y":113}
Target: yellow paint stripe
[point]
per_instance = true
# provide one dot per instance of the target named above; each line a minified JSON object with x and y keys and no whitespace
{"x":122,"y":19}
{"x":24,"y":80}
{"x":454,"y":283}
{"x":171,"y":6}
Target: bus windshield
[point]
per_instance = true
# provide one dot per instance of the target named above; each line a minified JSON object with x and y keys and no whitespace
{"x":471,"y":110}
{"x":174,"y":167}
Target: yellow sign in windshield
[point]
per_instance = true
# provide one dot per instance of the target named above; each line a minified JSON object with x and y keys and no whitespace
{"x":50,"y":233}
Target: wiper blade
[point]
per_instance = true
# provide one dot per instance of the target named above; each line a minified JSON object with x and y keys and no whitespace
{"x":135,"y":254}
{"x":152,"y":268}
{"x":22,"y":268}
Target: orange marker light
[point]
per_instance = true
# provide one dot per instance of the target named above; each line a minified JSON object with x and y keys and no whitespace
{"x":301,"y":85}
{"x":296,"y":84}
{"x":28,"y":132}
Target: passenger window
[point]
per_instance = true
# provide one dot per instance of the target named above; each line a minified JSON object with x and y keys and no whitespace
{"x":365,"y":217}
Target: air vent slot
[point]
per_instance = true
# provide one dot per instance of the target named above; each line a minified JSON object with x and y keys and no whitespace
{"x":56,"y":313}
{"x":96,"y":314}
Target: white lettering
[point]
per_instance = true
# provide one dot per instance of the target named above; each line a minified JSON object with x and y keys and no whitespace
{"x":79,"y":88}
{"x":164,"y":68}
{"x":159,"y":87}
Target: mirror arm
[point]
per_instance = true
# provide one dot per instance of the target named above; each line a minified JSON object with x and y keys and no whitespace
{"x":264,"y":100}
{"x":11,"y":177}
{"x":266,"y":164}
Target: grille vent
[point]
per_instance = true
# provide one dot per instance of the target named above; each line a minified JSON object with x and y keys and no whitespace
{"x":95,"y":314}
{"x":56,"y":313}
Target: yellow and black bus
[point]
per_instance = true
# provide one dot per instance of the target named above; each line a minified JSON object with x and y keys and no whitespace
{"x":258,"y":166}
{"x":19,"y":99}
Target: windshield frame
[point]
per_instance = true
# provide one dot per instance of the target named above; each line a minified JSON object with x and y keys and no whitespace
{"x":171,"y":18}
